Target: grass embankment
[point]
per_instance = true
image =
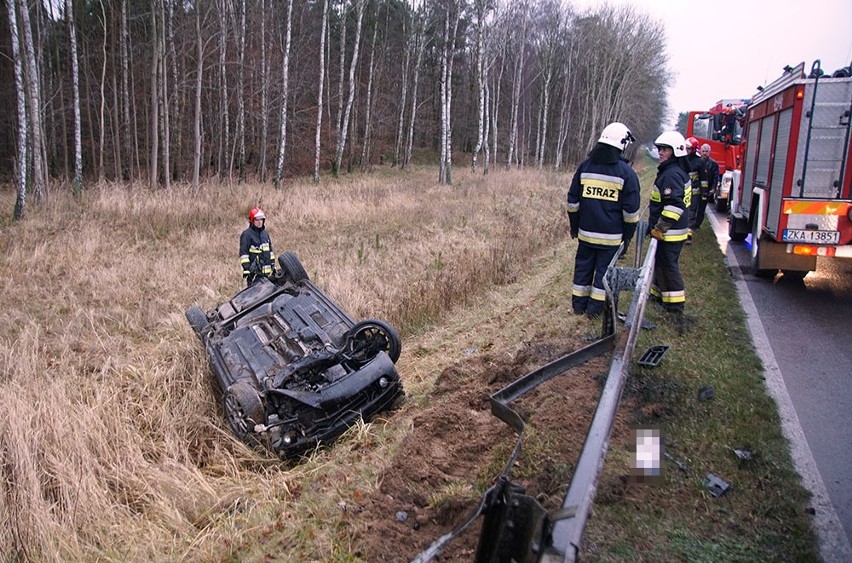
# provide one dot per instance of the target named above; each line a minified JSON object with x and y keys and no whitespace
{"x":763,"y":516}
{"x":112,"y":441}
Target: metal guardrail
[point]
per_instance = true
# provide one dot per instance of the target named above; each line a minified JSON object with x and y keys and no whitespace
{"x":516,"y":527}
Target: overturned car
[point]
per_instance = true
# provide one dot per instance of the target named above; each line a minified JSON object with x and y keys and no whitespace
{"x":294,"y":369}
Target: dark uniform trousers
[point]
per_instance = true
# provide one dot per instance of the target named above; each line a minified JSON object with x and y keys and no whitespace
{"x":589,"y":270}
{"x":667,"y":285}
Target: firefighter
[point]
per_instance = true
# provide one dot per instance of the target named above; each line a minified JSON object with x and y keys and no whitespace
{"x":694,"y":162}
{"x":708,"y":178}
{"x":603,"y":209}
{"x":256,"y":257}
{"x":668,"y":220}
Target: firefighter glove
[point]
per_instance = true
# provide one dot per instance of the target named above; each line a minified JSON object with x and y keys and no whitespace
{"x":657,"y":233}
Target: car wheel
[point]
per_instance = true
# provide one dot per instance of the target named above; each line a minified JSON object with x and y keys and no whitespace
{"x":372,"y":336}
{"x":764,"y":273}
{"x":292,"y":268}
{"x":197,"y":319}
{"x":243,"y":409}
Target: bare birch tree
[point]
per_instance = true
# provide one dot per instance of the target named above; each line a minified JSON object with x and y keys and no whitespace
{"x":21,"y":105}
{"x":421,"y":45}
{"x":124,"y":39}
{"x":199,"y":73}
{"x":481,"y":8}
{"x":403,"y":94}
{"x":32,"y":85}
{"x":365,"y":146}
{"x":341,"y":141}
{"x":225,"y":132}
{"x":241,"y":105}
{"x":154,"y":134}
{"x":285,"y":94}
{"x":517,"y":81}
{"x":77,"y":185}
{"x":320,"y":93}
{"x":264,"y":92}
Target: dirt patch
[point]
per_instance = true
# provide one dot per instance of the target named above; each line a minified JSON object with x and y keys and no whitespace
{"x":457,"y":448}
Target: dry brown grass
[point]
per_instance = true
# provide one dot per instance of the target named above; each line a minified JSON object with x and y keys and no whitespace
{"x":111,"y":439}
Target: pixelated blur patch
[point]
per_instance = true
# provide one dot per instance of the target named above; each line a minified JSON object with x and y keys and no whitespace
{"x":648,"y":448}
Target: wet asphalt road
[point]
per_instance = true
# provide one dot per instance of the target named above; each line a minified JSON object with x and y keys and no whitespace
{"x":803,"y":332}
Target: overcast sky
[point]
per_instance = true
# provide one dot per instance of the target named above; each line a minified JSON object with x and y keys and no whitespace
{"x":725,"y":48}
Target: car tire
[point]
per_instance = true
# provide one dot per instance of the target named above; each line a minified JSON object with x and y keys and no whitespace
{"x":243,"y":409}
{"x":197,"y":320}
{"x":292,"y":268}
{"x":372,"y":336}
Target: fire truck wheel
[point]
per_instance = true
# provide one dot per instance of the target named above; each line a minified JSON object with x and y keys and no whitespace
{"x":763,"y":273}
{"x":795,"y":274}
{"x":732,"y":231}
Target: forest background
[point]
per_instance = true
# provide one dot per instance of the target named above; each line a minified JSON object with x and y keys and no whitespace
{"x":159,"y":91}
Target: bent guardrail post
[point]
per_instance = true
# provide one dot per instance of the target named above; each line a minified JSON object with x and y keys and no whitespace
{"x":570,"y":521}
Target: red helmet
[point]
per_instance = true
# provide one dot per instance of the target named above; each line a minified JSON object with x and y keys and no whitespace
{"x":256,"y":213}
{"x":692,"y":144}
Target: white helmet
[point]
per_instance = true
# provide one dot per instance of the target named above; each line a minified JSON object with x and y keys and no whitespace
{"x":674,"y":140}
{"x":616,"y":135}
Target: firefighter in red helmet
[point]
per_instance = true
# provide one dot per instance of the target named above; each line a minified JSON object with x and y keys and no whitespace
{"x":257,"y":259}
{"x":693,"y":159}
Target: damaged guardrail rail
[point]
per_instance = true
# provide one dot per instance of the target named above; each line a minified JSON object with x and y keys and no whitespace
{"x":515,"y":526}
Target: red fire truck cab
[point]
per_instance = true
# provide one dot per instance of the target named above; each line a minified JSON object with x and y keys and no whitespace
{"x":721,"y":128}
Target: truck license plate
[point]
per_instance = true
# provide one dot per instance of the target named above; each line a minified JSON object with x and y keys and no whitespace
{"x":812,"y":237}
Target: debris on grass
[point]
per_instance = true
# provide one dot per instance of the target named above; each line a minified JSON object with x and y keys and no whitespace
{"x":705,"y":394}
{"x":716,"y":485}
{"x":652,"y":357}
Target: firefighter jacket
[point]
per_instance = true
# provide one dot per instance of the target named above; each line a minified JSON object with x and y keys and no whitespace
{"x":670,"y":199}
{"x":708,"y":176}
{"x":256,"y":256}
{"x":603,"y":200}
{"x":694,"y":162}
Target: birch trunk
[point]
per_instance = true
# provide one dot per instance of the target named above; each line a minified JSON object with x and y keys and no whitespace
{"x":77,"y":185}
{"x":102,"y":109}
{"x":21,"y":162}
{"x":341,"y":142}
{"x":199,"y":71}
{"x":320,"y":93}
{"x":480,"y":83}
{"x":128,"y":170}
{"x":40,"y":186}
{"x":164,"y":98}
{"x":338,"y":125}
{"x":442,"y":166}
{"x":421,"y":41}
{"x":403,"y":95}
{"x":264,"y":93}
{"x":241,"y":105}
{"x":154,"y":134}
{"x":450,"y":60}
{"x":365,"y":146}
{"x":511,"y":157}
{"x":285,"y":94}
{"x":225,"y":132}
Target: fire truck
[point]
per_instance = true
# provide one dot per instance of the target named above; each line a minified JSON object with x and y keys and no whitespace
{"x":794,"y":200}
{"x":721,"y":128}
